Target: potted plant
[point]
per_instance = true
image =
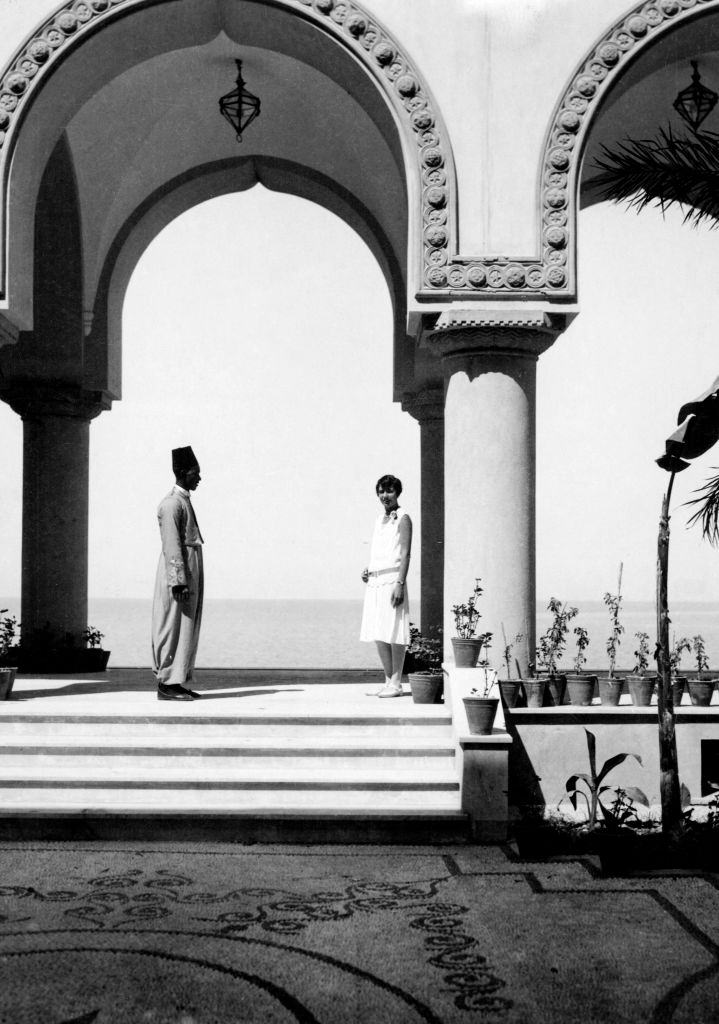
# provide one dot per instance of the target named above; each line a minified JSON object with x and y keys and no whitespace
{"x":679,"y":646}
{"x":701,"y":687}
{"x":95,"y":658}
{"x":509,"y":688}
{"x":641,"y":685}
{"x":8,"y":628}
{"x":45,"y":651}
{"x":610,"y":687}
{"x":424,"y":654}
{"x":480,"y":707}
{"x":589,"y":785}
{"x":466,"y":645}
{"x":581,"y":684}
{"x":551,"y":647}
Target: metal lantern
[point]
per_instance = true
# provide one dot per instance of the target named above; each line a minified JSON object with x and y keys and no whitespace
{"x":240,"y":107}
{"x":695,"y":102}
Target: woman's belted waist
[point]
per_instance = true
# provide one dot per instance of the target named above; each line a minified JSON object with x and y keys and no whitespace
{"x":381,"y":572}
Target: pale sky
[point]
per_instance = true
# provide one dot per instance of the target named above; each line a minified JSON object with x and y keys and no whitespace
{"x":257,"y":327}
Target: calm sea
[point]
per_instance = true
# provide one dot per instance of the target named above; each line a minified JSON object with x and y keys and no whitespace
{"x":323,"y":634}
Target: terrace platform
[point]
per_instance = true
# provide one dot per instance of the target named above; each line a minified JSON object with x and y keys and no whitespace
{"x":264,"y":754}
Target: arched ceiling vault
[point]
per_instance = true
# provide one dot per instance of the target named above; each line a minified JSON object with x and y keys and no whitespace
{"x":205,"y":182}
{"x":137,"y":106}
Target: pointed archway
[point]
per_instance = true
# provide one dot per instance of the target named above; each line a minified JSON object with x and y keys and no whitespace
{"x":114,"y":108}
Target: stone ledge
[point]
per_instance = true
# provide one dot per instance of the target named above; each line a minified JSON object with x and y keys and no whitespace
{"x":573,"y":714}
{"x":474,"y":741}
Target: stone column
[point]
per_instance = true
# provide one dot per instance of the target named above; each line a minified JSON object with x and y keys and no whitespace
{"x":489,"y":469}
{"x":56,"y":439}
{"x":427,"y":407}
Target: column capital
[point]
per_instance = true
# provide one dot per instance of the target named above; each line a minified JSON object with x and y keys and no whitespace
{"x":35,"y":400}
{"x":502,"y":332}
{"x":426,"y":404}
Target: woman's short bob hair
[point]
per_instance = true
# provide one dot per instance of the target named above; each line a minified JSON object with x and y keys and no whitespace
{"x":389,"y":483}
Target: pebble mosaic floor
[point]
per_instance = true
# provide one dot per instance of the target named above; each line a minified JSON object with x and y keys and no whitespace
{"x":232,"y":934}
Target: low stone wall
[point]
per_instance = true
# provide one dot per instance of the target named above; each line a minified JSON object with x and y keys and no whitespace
{"x":550,"y":744}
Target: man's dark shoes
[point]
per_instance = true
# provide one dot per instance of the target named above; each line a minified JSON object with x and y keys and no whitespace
{"x":174,"y":691}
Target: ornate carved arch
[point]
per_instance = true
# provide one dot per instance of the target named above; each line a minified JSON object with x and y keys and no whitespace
{"x":572,"y":120}
{"x":428,"y":156}
{"x":551,"y":274}
{"x":443,"y":272}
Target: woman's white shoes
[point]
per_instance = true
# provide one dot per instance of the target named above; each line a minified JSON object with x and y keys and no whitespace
{"x":386,"y":691}
{"x":390,"y":691}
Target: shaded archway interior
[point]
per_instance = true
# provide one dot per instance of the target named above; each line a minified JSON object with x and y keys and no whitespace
{"x":127,"y":130}
{"x":639,"y":104}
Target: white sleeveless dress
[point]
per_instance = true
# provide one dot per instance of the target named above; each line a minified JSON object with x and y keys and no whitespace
{"x":380,"y":621}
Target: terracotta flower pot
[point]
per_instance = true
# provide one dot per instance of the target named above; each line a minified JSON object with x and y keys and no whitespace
{"x":556,"y":688}
{"x":7,"y":678}
{"x":466,"y":651}
{"x":641,"y":689}
{"x":481,"y":712}
{"x":700,"y":692}
{"x":510,"y":690}
{"x":610,"y":690}
{"x":426,"y":687}
{"x":580,"y":687}
{"x":679,"y":684}
{"x":535,"y":690}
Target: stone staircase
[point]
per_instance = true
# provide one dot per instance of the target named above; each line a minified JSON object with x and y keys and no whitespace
{"x":266,"y":760}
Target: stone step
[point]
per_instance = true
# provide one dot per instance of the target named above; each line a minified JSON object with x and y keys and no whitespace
{"x":268,"y":758}
{"x":295,"y":731}
{"x":83,"y":758}
{"x":305,"y":742}
{"x":103,"y":772}
{"x":216,"y":753}
{"x":337,"y":802}
{"x":408,"y":825}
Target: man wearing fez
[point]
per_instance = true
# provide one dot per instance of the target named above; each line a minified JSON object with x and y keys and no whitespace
{"x":177,"y":604}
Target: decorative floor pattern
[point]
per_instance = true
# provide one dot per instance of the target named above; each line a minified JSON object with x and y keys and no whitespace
{"x":222,"y":933}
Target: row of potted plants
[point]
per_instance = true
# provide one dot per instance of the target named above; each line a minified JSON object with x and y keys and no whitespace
{"x":547,"y":683}
{"x":579,"y":686}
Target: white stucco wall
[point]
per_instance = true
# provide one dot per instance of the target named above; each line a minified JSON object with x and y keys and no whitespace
{"x":497,"y":69}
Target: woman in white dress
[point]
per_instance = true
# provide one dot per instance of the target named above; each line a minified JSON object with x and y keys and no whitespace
{"x":385,"y":616}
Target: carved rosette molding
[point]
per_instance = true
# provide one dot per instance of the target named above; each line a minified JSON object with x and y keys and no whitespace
{"x":38,"y":53}
{"x":553,"y":273}
{"x":570,"y":123}
{"x":347,"y":21}
{"x":445,"y":274}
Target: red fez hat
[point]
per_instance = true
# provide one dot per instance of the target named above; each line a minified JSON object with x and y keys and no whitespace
{"x":183,"y":459}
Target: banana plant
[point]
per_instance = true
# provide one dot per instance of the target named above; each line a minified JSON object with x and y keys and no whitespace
{"x":589,"y":786}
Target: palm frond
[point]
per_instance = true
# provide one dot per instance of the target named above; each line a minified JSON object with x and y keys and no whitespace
{"x":708,"y":512}
{"x":667,"y":170}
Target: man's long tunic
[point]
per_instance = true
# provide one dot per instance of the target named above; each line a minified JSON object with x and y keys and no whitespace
{"x":176,"y":624}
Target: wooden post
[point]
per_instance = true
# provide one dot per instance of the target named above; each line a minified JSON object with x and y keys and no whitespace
{"x":668,"y":766}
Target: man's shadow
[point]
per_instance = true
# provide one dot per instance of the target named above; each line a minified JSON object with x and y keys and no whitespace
{"x":99,"y":686}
